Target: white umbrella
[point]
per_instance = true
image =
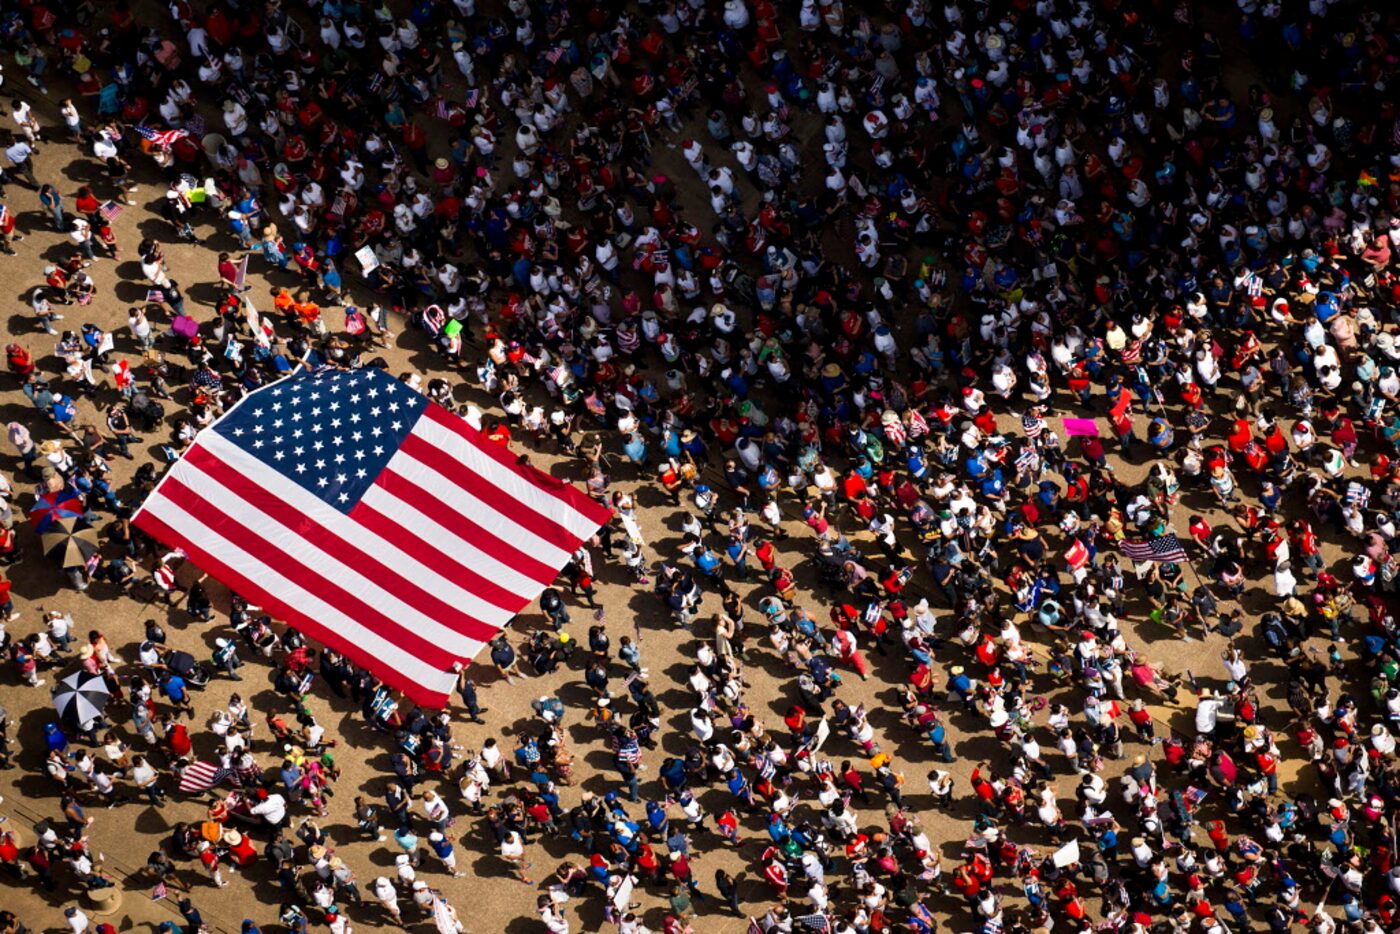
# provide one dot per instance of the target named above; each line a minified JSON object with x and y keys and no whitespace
{"x":81,"y":697}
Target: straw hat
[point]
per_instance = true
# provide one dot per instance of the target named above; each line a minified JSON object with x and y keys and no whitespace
{"x":233,"y":837}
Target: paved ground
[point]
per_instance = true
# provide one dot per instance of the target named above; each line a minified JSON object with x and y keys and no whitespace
{"x":127,"y":834}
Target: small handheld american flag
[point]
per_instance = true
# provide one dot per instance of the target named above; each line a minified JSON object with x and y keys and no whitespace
{"x":202,"y":776}
{"x":162,"y":138}
{"x":1163,"y":548}
{"x":109,"y":211}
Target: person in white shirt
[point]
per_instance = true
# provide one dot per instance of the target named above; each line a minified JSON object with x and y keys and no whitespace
{"x":23,"y":116}
{"x":554,"y":920}
{"x":388,"y":897}
{"x":76,"y":920}
{"x":1208,"y":713}
{"x":272,"y":809}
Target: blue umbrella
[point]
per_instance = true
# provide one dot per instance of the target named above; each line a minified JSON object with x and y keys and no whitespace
{"x":56,"y":506}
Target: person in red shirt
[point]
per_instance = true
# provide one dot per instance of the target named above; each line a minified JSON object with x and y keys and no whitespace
{"x":1344,"y":437}
{"x":86,"y":202}
{"x":647,"y":863}
{"x":228,"y":274}
{"x":7,"y":603}
{"x":854,"y":487}
{"x":985,"y":790}
{"x":796,"y":719}
{"x":728,"y":824}
{"x":177,"y":737}
{"x":1092,"y":449}
{"x":240,"y":849}
{"x":851,"y":778}
{"x":1306,"y":544}
{"x":776,"y":874}
{"x":966,"y":883}
{"x":498,"y":433}
{"x":1268,"y":766}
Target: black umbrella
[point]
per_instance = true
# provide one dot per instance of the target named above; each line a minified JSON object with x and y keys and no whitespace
{"x":80,"y":697}
{"x":69,"y":543}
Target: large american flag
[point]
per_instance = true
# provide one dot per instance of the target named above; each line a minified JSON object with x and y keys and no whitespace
{"x":372,"y":520}
{"x":1162,"y":548}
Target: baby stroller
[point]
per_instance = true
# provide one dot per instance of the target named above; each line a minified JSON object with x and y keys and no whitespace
{"x":183,"y":664}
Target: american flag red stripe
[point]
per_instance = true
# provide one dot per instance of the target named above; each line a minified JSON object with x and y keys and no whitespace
{"x":372,"y":520}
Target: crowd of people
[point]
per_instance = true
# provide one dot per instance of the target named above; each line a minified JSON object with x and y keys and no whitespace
{"x":975,"y":345}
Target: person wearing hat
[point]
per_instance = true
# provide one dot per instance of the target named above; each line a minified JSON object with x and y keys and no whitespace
{"x":442,"y":848}
{"x":239,"y":850}
{"x":76,"y":920}
{"x":209,"y":859}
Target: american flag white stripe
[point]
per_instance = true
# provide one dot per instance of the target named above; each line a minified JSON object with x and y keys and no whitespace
{"x":314,"y":616}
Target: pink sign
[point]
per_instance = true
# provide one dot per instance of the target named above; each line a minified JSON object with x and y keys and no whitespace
{"x":1081,"y":426}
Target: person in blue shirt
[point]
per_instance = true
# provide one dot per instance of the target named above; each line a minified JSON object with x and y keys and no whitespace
{"x":960,"y":684}
{"x":738,"y":552}
{"x":52,"y":201}
{"x":63,"y":411}
{"x":740,"y":789}
{"x":238,"y":224}
{"x":1160,"y":435}
{"x":656,"y":818}
{"x":330,"y":279}
{"x":442,"y":849}
{"x":708,"y":563}
{"x":673,"y":774}
{"x":635,"y":447}
{"x":172,"y":686}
